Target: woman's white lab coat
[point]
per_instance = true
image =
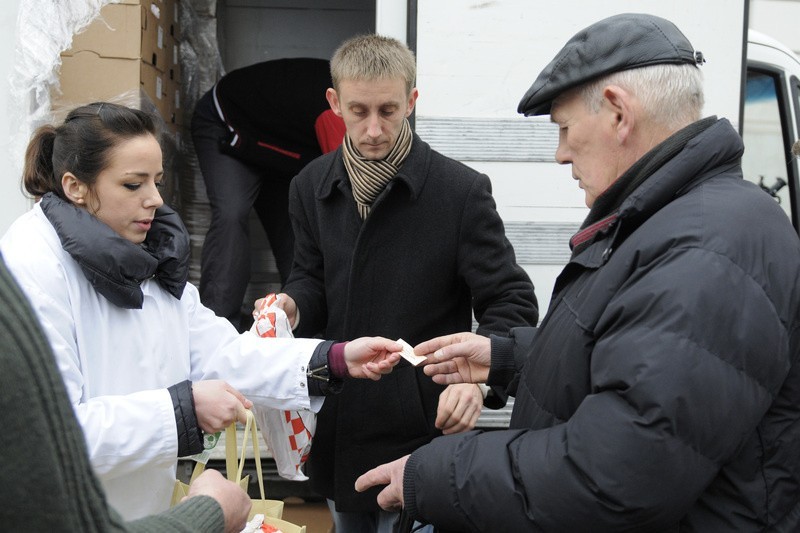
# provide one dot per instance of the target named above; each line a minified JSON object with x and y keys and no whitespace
{"x":117,"y":363}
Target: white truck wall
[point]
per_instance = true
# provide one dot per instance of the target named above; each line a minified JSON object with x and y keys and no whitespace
{"x":12,"y":202}
{"x":780,"y":19}
{"x":476,"y":60}
{"x":391,"y":18}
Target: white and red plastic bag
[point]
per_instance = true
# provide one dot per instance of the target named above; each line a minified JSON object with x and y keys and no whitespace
{"x":288,"y":433}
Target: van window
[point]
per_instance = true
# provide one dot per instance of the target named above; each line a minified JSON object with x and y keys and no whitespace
{"x":765,"y":155}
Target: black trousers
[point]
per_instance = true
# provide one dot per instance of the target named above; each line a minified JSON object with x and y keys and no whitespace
{"x":234,"y":188}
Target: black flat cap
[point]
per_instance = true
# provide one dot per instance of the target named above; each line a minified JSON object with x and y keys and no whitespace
{"x":621,"y":42}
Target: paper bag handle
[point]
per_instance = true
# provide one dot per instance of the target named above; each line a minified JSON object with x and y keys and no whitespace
{"x":234,"y":464}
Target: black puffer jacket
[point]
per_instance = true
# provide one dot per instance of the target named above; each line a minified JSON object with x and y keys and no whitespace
{"x":662,"y":391}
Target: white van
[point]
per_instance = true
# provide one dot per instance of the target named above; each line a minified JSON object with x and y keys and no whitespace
{"x":771,"y":120}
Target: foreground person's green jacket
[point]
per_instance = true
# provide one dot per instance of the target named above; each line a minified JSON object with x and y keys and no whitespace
{"x":46,"y":481}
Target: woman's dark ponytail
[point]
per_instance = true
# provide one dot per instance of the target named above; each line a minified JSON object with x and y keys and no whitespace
{"x":38,"y":177}
{"x":81,"y":145}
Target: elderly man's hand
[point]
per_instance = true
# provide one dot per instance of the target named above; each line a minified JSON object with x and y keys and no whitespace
{"x":391,"y":474}
{"x":457,"y":358}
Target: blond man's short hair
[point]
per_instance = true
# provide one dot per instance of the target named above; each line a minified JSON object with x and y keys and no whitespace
{"x":372,"y":57}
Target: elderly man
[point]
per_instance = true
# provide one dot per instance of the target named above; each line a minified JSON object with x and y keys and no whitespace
{"x":662,"y":390}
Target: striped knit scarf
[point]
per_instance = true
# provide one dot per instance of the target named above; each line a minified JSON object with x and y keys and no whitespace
{"x":368,"y":178}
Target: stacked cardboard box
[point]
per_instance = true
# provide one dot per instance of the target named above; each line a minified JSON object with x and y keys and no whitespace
{"x":128,"y":54}
{"x":173,"y":65}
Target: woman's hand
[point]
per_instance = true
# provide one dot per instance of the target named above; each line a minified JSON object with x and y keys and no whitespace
{"x":371,"y":357}
{"x":217,"y":405}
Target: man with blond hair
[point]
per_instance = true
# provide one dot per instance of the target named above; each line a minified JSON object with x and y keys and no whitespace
{"x":395,"y":239}
{"x":662,"y":390}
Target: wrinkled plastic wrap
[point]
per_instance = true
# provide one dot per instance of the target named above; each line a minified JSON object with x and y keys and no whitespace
{"x":45,"y":29}
{"x":201,"y":66}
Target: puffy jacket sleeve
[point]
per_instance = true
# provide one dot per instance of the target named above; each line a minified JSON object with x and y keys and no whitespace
{"x":190,"y":436}
{"x":676,"y":391}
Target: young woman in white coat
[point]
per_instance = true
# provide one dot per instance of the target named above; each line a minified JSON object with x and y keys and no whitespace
{"x":105,"y":265}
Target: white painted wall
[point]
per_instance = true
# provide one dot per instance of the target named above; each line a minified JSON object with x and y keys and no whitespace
{"x":477,"y":59}
{"x":391,"y":18}
{"x":12,"y":202}
{"x":780,"y":19}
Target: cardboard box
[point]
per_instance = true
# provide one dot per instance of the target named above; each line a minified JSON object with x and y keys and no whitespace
{"x":87,"y":77}
{"x":125,"y":31}
{"x":173,"y":69}
{"x":171,"y":18}
{"x":153,"y":41}
{"x":173,"y":97}
{"x":126,"y":55}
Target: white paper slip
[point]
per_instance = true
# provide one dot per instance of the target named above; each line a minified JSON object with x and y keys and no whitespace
{"x":408,"y":353}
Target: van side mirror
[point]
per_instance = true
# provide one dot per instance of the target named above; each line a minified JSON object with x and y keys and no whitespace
{"x":773,"y":189}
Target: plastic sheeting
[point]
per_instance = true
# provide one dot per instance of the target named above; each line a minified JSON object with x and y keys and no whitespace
{"x":201,"y":66}
{"x":45,"y":28}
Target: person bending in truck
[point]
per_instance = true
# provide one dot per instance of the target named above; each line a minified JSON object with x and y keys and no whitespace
{"x":253,"y":132}
{"x":662,"y":390}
